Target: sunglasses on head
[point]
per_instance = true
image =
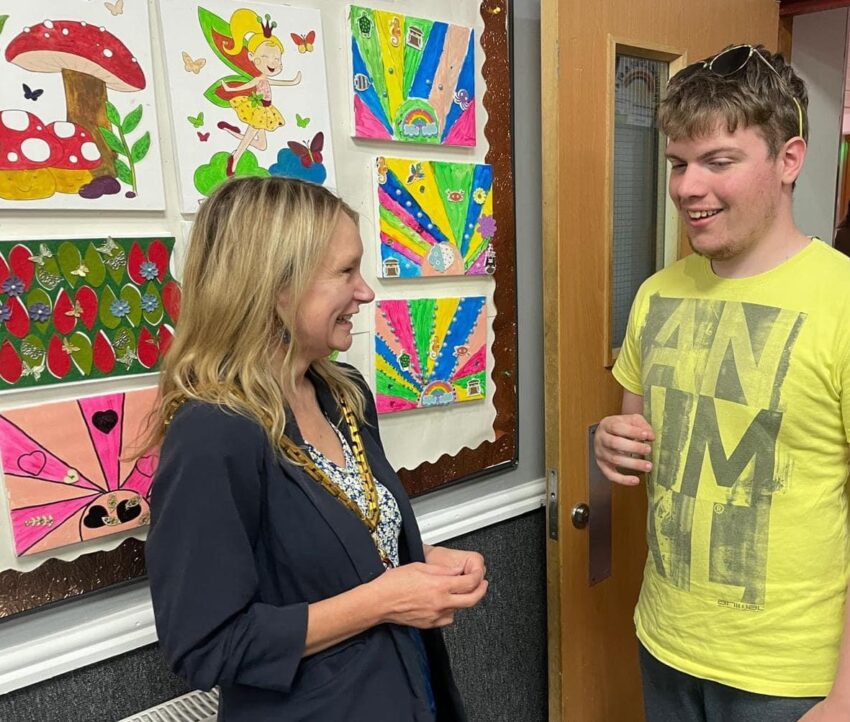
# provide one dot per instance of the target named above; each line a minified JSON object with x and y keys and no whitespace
{"x":732,"y":60}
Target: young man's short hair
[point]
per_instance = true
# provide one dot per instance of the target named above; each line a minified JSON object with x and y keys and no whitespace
{"x":698,"y":98}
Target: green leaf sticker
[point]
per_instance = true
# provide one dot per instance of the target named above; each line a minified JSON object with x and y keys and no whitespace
{"x":105,"y":308}
{"x":45,"y":306}
{"x":131,"y":295}
{"x":96,"y":270}
{"x":32,"y":354}
{"x":140,"y":147}
{"x":132,"y":120}
{"x":81,"y":353}
{"x":122,"y":171}
{"x":112,"y":141}
{"x":152,"y":295}
{"x":113,"y":114}
{"x":69,"y":263}
{"x":124,"y":343}
{"x":49,"y":275}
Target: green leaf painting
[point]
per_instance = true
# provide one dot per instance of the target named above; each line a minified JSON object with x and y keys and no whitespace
{"x":74,"y":309}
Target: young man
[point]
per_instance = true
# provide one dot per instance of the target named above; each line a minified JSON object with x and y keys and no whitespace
{"x":736,"y":403}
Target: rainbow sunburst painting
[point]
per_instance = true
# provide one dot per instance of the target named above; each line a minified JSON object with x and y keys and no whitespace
{"x":435,"y":218}
{"x":66,"y":473}
{"x":430,"y":352}
{"x":413,"y":79}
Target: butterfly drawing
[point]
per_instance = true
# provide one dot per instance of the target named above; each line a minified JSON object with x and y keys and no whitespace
{"x":416,"y":172}
{"x":196,"y":121}
{"x":31,"y":94}
{"x":203,"y":137}
{"x":304,"y":42}
{"x":309,"y":154}
{"x":116,"y":8}
{"x":192,"y":66}
{"x":301,"y":121}
{"x":43,"y":254}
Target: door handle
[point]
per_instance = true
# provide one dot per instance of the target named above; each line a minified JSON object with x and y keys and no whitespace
{"x":580,"y":515}
{"x":599,"y":521}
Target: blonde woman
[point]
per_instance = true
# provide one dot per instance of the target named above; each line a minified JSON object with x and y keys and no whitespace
{"x":286,"y":565}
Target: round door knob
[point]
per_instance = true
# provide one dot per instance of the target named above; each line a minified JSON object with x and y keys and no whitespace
{"x":580,"y":515}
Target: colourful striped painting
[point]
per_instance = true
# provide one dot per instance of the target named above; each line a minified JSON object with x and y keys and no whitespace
{"x":66,"y":471}
{"x":413,"y":79}
{"x":435,"y":218}
{"x":430,"y":352}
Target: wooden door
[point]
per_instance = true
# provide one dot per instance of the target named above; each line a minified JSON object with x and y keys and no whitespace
{"x":593,"y":671}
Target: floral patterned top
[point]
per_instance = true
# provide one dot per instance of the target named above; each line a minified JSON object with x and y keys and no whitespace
{"x":348,"y":479}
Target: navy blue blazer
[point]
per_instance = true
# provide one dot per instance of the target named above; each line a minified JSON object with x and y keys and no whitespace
{"x":241,"y":542}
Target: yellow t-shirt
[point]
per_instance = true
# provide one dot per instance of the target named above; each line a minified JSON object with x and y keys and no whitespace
{"x":746,"y":383}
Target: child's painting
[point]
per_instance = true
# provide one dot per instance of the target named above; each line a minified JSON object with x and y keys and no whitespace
{"x":69,"y":472}
{"x":77,"y":108}
{"x":430,"y":352}
{"x":72,"y":310}
{"x":248,"y":94}
{"x":413,"y":79}
{"x":435,"y":218}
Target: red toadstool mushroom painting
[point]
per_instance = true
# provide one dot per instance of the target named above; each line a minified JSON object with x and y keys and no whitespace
{"x":77,"y":110}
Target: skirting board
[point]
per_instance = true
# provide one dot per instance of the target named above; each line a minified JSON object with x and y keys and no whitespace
{"x":44,"y":644}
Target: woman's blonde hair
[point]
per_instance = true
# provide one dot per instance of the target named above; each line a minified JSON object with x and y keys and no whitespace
{"x":252,"y":239}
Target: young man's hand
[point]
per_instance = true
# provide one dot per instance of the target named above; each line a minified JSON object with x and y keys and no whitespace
{"x":620,"y":444}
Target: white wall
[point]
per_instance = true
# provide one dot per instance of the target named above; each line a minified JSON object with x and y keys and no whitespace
{"x":818,"y":55}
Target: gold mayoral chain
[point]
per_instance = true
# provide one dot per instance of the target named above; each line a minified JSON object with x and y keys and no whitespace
{"x":373,"y":512}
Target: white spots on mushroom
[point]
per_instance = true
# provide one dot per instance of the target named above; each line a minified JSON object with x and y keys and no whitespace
{"x":48,"y":24}
{"x":65,"y":31}
{"x":107,"y":53}
{"x":47,"y":35}
{"x":102,"y":29}
{"x":12,"y":157}
{"x":35,"y":150}
{"x":73,"y":159}
{"x":27,"y":29}
{"x":133,"y":60}
{"x":89,"y":151}
{"x":15,"y":119}
{"x":83,"y":23}
{"x":63,"y":129}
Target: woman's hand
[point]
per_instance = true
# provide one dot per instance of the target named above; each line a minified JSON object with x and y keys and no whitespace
{"x":467,"y":562}
{"x":427,"y":595}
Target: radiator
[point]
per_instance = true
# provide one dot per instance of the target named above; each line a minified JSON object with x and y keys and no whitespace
{"x":193,"y":707}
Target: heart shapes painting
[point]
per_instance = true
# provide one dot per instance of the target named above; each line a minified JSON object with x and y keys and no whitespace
{"x":74,"y":471}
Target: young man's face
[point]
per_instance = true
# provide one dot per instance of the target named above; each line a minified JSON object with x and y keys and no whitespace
{"x":727,"y":189}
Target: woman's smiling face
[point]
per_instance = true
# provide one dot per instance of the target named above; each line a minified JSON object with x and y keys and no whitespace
{"x":323,"y":320}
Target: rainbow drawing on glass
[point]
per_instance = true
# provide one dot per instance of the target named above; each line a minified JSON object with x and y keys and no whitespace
{"x":413,"y":79}
{"x":65,"y":471}
{"x":435,"y":218}
{"x":77,"y":108}
{"x":86,"y":308}
{"x":248,"y":93}
{"x":430,"y":352}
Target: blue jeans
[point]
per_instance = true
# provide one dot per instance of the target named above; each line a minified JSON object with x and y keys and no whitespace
{"x":673,"y":696}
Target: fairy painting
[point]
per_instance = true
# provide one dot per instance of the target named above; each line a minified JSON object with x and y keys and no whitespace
{"x":266,"y":114}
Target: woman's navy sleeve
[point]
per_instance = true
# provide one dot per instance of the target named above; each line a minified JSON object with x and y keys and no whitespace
{"x":206,"y":513}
